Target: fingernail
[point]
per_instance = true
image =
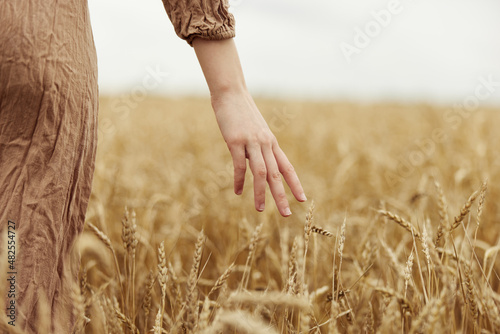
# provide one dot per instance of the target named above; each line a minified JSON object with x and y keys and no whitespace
{"x":288,"y":212}
{"x":239,"y":192}
{"x":261,"y":207}
{"x":303,"y":197}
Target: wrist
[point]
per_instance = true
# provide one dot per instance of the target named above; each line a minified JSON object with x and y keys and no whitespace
{"x":228,"y":93}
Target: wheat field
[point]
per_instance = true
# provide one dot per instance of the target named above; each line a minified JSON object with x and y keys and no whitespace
{"x":399,"y":233}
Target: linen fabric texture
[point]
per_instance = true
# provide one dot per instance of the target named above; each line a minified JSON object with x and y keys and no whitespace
{"x":48,"y":142}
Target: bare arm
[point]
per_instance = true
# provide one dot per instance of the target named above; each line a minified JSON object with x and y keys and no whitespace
{"x":245,"y":131}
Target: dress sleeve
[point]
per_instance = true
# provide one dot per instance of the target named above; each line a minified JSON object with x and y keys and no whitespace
{"x":208,"y":19}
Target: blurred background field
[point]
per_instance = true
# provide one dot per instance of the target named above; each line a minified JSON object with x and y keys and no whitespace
{"x":164,"y":159}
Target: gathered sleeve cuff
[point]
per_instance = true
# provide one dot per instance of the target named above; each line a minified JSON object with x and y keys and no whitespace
{"x":208,"y":19}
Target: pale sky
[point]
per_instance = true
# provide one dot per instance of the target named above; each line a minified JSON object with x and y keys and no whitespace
{"x":430,"y":51}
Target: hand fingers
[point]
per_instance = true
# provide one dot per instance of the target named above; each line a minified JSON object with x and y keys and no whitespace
{"x":275,"y":182}
{"x":240,"y":167}
{"x":259,"y":171}
{"x":288,"y":172}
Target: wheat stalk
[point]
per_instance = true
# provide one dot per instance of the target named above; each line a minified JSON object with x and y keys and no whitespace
{"x":464,"y":211}
{"x":126,"y":320}
{"x":105,"y":239}
{"x":482,"y":195}
{"x":175,"y":282}
{"x":222,"y":279}
{"x":322,"y":231}
{"x":251,"y":247}
{"x":470,"y":295}
{"x":402,"y":222}
{"x":191,"y":296}
{"x":407,"y":274}
{"x":162,"y":279}
{"x":146,"y":305}
{"x":369,"y":320}
{"x":307,"y":233}
{"x":130,"y":241}
{"x":157,"y":328}
{"x":443,"y":214}
{"x":341,"y":252}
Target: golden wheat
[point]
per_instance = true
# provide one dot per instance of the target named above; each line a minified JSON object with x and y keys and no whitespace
{"x":223,"y":267}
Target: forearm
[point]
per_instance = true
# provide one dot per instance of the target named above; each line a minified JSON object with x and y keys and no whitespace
{"x":221,"y":66}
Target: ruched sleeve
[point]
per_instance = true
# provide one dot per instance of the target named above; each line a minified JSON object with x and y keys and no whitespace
{"x":208,"y":19}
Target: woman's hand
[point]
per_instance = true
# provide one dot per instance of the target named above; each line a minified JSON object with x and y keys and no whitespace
{"x":248,"y":137}
{"x":244,"y":129}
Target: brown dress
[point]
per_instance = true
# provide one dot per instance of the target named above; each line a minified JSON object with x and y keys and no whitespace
{"x":48,"y":138}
